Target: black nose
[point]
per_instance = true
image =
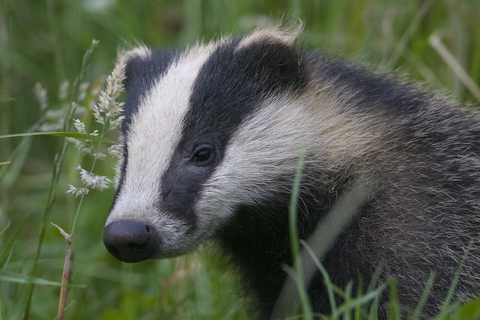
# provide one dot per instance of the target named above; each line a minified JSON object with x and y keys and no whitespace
{"x":130,"y":240}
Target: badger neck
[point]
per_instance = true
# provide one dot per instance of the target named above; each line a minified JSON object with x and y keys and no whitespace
{"x":258,"y":240}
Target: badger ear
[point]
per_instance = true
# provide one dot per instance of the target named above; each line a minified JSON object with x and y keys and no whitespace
{"x":133,"y":59}
{"x":278,"y":33}
{"x":124,"y":56}
{"x":273,"y":59}
{"x":143,"y":67}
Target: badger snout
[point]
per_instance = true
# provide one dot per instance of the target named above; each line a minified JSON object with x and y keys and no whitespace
{"x":131,"y":240}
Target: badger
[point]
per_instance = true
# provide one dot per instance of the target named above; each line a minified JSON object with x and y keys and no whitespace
{"x":211,"y":142}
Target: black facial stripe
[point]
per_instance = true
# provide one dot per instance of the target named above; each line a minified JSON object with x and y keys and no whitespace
{"x":231,"y":83}
{"x":229,"y":86}
{"x":123,"y":171}
{"x":141,"y":74}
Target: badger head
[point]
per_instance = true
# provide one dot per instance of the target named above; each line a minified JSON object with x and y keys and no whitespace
{"x":206,"y":131}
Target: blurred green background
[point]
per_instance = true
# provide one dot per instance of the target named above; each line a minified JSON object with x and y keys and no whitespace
{"x":44,"y":41}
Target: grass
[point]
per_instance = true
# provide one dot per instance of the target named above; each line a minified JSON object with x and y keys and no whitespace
{"x":437,"y":42}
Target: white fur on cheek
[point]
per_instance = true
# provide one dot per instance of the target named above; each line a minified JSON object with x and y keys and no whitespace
{"x":256,"y":154}
{"x":267,"y":146}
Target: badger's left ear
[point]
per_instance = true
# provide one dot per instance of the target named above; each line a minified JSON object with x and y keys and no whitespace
{"x":272,"y":57}
{"x":143,"y":67}
{"x":125,"y":56}
{"x":132,"y":58}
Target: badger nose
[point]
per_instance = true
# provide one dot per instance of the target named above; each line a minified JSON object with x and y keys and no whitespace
{"x":130,"y":240}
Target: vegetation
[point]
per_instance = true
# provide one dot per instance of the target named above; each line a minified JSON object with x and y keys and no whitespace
{"x":43,"y":81}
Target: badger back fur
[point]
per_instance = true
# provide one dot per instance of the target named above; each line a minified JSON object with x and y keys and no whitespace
{"x":211,"y":141}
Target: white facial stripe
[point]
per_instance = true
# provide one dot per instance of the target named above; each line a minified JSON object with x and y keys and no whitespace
{"x":154,"y":133}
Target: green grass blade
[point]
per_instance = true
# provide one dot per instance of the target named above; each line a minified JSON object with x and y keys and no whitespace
{"x":469,"y":311}
{"x":288,"y":298}
{"x":294,"y":240}
{"x":6,"y":98}
{"x":293,"y":206}
{"x":394,"y":302}
{"x":366,"y":298}
{"x":10,"y":276}
{"x":75,"y":135}
{"x":435,"y":42}
{"x":326,"y":278}
{"x":306,"y":313}
{"x":7,"y":245}
{"x":445,"y":310}
{"x":10,"y":173}
{"x":423,"y":299}
{"x":402,"y":44}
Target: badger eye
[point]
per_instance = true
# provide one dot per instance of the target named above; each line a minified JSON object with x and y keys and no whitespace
{"x":204,"y":156}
